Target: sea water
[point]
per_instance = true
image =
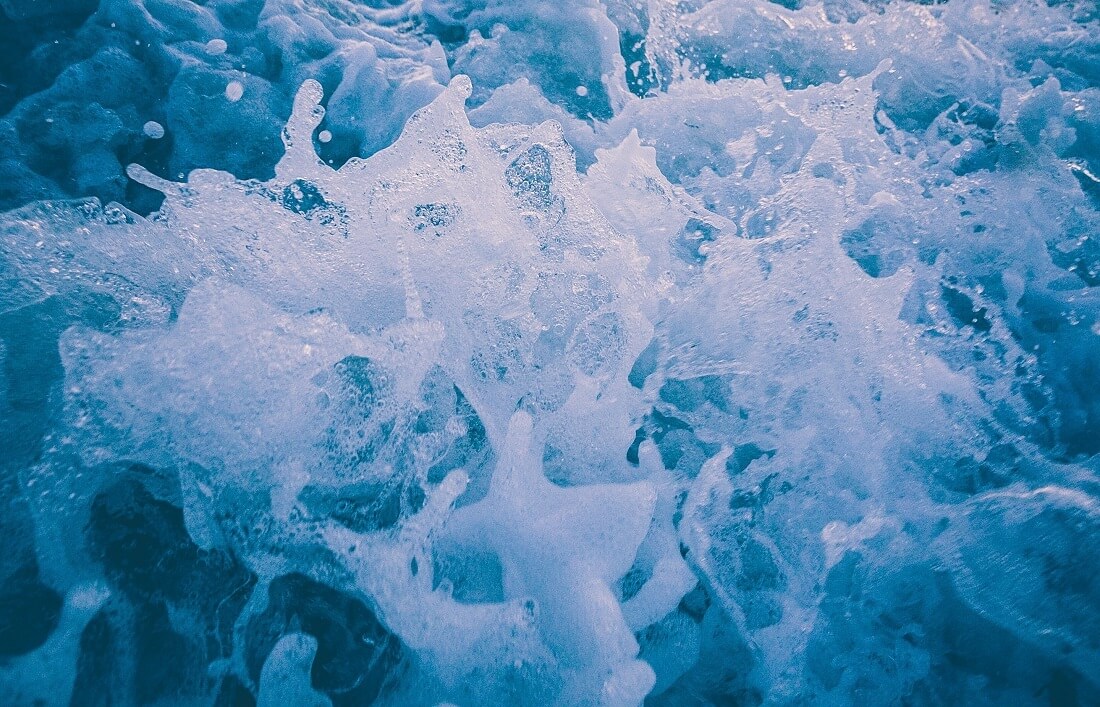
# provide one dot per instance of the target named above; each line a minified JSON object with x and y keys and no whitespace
{"x":723,"y":352}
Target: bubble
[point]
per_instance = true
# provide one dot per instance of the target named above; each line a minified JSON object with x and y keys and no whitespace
{"x":234,"y":91}
{"x":582,"y":91}
{"x":153,"y":130}
{"x":324,"y":136}
{"x":216,"y":47}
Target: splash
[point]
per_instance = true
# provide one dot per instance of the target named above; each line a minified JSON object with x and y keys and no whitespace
{"x":753,"y":389}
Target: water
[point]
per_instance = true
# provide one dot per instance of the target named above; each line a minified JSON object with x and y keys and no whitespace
{"x":697,"y":353}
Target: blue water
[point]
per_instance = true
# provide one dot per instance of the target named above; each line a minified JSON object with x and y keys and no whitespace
{"x":715,"y":352}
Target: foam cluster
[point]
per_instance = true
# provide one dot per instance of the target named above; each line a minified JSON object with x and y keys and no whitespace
{"x":752,"y":372}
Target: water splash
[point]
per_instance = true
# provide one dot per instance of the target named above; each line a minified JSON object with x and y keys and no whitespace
{"x":549,"y":436}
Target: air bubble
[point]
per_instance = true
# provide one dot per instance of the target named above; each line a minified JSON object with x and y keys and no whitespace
{"x":216,"y":47}
{"x":234,"y":91}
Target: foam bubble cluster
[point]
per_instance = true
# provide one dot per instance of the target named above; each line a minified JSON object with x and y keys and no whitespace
{"x":761,"y":370}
